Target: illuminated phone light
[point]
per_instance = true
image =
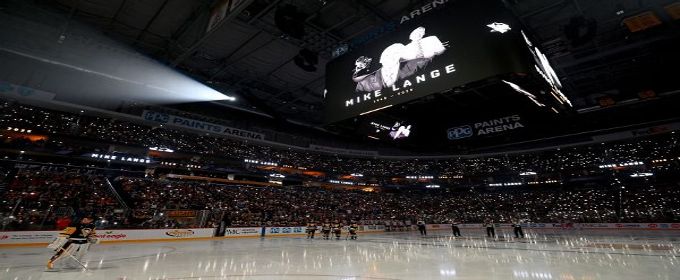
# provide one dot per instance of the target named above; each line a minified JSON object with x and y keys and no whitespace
{"x":638,"y":175}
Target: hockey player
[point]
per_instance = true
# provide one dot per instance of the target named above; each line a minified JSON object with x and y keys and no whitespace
{"x":311,"y":229}
{"x":455,"y":228}
{"x":490,"y":230}
{"x":517,"y":228}
{"x":326,"y":231}
{"x":337,"y":230}
{"x":353,"y":228}
{"x":422,"y":228}
{"x":400,"y":225}
{"x":77,"y":241}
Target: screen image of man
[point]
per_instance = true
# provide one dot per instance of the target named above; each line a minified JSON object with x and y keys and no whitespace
{"x":398,"y":61}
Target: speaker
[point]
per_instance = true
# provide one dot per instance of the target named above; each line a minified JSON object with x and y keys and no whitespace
{"x":307,"y":60}
{"x":290,"y":21}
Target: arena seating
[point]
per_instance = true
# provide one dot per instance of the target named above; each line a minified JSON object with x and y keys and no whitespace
{"x":39,"y":194}
{"x":35,"y":198}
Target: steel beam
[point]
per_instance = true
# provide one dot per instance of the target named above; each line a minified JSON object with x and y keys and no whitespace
{"x":148,"y":24}
{"x":232,"y":15}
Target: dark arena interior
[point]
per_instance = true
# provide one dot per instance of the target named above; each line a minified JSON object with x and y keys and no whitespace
{"x":340,"y":139}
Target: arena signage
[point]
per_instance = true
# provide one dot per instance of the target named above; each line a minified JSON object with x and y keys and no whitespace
{"x":21,"y":92}
{"x":488,"y":127}
{"x":200,"y":125}
{"x":388,"y":27}
{"x":425,"y":55}
{"x":249,"y":231}
{"x":181,"y":233}
{"x":284,"y":230}
{"x":422,"y":10}
{"x":114,"y":235}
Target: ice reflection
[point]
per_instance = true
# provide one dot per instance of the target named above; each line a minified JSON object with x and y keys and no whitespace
{"x":543,"y":255}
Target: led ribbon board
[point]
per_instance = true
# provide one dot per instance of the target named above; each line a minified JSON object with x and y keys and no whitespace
{"x":455,"y":44}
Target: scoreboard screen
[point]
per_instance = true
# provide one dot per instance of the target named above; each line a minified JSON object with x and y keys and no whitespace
{"x":449,"y":45}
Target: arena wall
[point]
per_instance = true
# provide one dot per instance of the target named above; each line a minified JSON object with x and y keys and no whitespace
{"x":42,"y":238}
{"x":19,"y":238}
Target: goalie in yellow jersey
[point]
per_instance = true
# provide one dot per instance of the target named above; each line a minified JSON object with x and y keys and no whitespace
{"x":74,"y":242}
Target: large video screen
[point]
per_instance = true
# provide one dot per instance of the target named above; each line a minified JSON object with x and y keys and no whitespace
{"x":436,"y":48}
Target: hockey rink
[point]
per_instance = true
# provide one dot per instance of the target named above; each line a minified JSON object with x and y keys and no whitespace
{"x":568,"y":255}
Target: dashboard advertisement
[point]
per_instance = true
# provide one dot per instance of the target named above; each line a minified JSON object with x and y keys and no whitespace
{"x":453,"y":44}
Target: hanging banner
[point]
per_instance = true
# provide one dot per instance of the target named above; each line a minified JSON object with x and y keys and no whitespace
{"x":21,"y":92}
{"x":200,"y":125}
{"x":486,"y":128}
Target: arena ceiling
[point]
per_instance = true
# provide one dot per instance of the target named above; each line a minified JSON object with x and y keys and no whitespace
{"x":249,"y":56}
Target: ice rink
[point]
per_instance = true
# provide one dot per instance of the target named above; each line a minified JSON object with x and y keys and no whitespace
{"x":568,"y":255}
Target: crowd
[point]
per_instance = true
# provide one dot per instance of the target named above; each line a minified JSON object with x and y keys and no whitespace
{"x":102,"y":130}
{"x":49,"y":196}
{"x":42,"y":198}
{"x":37,"y":198}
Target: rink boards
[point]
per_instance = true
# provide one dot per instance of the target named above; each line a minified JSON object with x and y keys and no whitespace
{"x":645,"y":226}
{"x":290,"y":231}
{"x":36,"y":238}
{"x":114,"y":235}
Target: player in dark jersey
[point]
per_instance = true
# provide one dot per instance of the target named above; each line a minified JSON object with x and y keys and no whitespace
{"x":353,"y":229}
{"x":337,"y":230}
{"x":490,"y":230}
{"x":422,"y":227}
{"x":455,"y":228}
{"x":326,"y":231}
{"x":311,"y":229}
{"x":78,"y":240}
{"x":517,"y":228}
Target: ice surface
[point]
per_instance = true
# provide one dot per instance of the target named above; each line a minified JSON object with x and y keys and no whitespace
{"x":567,"y":255}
